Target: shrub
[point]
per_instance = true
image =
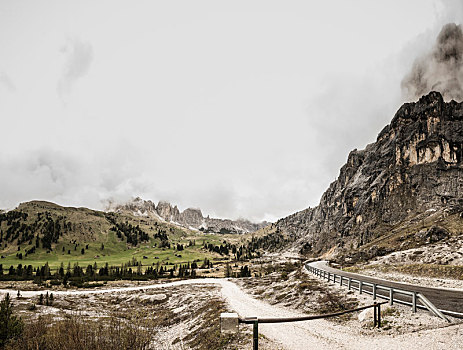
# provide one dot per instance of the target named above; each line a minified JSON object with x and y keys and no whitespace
{"x":76,"y":333}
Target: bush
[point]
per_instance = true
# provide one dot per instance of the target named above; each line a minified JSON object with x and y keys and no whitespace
{"x":76,"y":333}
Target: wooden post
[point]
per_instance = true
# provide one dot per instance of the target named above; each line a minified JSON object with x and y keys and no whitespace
{"x":379,"y":315}
{"x":255,"y":335}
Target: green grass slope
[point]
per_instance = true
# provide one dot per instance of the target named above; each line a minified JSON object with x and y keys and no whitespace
{"x":38,"y":232}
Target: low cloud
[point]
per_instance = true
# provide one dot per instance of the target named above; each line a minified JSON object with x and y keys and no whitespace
{"x":66,"y":179}
{"x":7,"y":82}
{"x":441,"y":69}
{"x":78,"y":58}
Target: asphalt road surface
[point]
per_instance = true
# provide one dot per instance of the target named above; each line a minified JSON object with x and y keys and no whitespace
{"x":443,"y":299}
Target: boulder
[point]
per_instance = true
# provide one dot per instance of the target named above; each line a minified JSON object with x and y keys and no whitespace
{"x":434,"y":234}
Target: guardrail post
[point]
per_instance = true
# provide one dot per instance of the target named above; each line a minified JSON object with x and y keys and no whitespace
{"x":255,"y":335}
{"x":349,"y":282}
{"x":391,"y":296}
{"x":360,"y":287}
{"x":374,"y":291}
{"x":334,"y":278}
{"x":414,"y":302}
{"x":340,"y":281}
{"x":374,"y":314}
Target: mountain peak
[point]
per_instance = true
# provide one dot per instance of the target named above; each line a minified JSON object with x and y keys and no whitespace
{"x":190,"y":218}
{"x":414,"y":166}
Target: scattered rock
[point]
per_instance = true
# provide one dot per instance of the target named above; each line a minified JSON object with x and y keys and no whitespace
{"x":434,"y":234}
{"x":154,"y":298}
{"x":366,"y":315}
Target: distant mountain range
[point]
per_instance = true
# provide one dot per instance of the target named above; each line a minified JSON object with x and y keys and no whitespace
{"x":190,"y":218}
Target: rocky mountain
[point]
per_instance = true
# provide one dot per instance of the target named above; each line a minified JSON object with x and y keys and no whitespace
{"x":394,"y":191}
{"x":190,"y":218}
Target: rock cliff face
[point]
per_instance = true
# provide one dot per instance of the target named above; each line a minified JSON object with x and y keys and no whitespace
{"x":189,"y":218}
{"x":414,"y":167}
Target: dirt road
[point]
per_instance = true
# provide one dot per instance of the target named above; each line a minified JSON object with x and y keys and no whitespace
{"x":318,"y":334}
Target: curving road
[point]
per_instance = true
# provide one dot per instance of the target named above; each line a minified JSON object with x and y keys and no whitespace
{"x":443,"y":299}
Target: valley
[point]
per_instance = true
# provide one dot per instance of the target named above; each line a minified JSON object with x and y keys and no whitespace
{"x":231,"y":175}
{"x":163,"y":277}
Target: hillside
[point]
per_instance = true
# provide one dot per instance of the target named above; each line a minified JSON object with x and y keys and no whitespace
{"x":37,"y":232}
{"x":402,"y":191}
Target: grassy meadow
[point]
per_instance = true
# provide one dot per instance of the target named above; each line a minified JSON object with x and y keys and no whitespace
{"x":91,"y":240}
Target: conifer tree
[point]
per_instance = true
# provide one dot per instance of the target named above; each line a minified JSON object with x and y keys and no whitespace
{"x":10,"y":326}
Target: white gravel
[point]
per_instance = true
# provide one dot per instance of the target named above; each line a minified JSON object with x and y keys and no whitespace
{"x":317,"y":334}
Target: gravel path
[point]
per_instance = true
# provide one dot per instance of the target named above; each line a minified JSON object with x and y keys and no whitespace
{"x":317,"y":334}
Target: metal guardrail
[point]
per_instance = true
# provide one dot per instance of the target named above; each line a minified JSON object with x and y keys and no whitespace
{"x":417,"y":301}
{"x":255,"y":321}
{"x":415,"y":297}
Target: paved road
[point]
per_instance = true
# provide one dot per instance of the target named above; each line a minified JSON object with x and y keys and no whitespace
{"x":443,"y":299}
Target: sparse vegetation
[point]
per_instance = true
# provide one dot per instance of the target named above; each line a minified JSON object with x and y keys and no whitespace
{"x":286,"y":283}
{"x":75,"y":333}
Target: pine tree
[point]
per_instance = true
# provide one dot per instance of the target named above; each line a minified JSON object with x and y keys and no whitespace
{"x":228,"y":270}
{"x":10,"y":326}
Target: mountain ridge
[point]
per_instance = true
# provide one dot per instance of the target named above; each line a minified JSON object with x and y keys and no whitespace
{"x":191,"y":218}
{"x":415,"y":166}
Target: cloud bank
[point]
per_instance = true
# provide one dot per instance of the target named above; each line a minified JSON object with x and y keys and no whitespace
{"x":441,"y":69}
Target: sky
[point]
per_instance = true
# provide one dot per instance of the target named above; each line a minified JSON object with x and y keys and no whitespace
{"x":245,"y":109}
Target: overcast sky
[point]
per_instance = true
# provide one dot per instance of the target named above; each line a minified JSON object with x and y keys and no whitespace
{"x":242,"y":108}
